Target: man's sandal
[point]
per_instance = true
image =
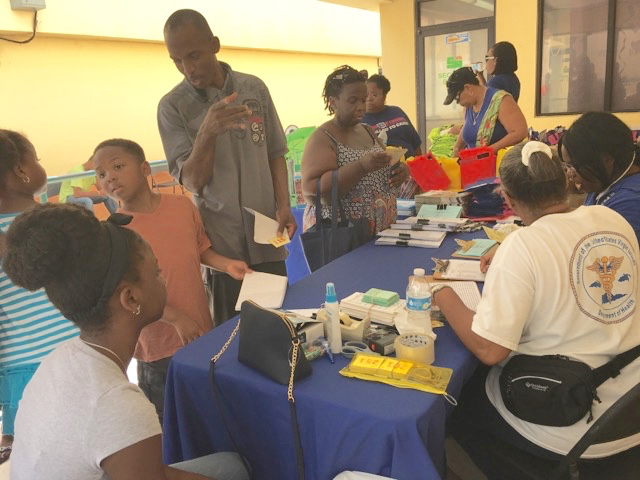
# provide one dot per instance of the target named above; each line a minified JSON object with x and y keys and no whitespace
{"x":5,"y":453}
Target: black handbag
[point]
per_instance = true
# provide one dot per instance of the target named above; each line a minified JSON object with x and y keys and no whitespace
{"x":554,"y":390}
{"x":329,"y":238}
{"x":268,"y":343}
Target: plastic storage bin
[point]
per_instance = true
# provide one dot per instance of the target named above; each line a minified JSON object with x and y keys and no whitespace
{"x":476,"y":164}
{"x":428,"y":173}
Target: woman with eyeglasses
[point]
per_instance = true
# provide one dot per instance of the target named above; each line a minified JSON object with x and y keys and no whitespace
{"x":492,"y":118}
{"x":603,"y":161}
{"x":501,"y":62}
{"x":367,"y":183}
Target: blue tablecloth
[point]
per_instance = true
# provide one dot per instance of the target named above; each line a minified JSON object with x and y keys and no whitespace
{"x":297,"y":267}
{"x":345,"y":424}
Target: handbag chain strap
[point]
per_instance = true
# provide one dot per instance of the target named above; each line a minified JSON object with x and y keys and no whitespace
{"x":294,"y":362}
{"x":227,"y":343}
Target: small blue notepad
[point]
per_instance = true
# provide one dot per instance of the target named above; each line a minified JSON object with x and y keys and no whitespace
{"x":440,"y":211}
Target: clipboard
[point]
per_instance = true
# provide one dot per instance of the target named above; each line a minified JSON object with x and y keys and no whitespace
{"x":456,"y":269}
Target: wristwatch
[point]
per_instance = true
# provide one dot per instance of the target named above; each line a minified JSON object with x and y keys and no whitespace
{"x":439,"y":287}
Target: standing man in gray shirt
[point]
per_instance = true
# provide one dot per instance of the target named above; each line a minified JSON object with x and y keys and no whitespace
{"x":224,"y":142}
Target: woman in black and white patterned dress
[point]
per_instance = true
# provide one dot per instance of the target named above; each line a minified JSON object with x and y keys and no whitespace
{"x":366,"y":183}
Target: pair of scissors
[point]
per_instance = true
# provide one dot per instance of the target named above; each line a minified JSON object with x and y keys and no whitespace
{"x":352,"y":347}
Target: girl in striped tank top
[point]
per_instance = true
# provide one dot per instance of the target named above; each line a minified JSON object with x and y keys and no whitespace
{"x":30,"y":326}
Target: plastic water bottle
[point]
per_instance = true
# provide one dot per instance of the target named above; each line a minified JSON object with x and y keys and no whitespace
{"x":419,"y":299}
{"x":333,"y":319}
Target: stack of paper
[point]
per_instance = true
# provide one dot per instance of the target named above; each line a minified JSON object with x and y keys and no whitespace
{"x":442,"y":197}
{"x":435,"y":224}
{"x":468,"y":292}
{"x":411,"y":238}
{"x":354,"y":306}
{"x":265,"y":289}
{"x":463,"y":270}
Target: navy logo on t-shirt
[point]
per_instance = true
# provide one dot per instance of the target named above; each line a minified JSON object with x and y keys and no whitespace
{"x":604,"y":276}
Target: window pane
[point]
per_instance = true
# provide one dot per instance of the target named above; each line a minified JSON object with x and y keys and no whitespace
{"x":626,"y":73}
{"x":574,"y":48}
{"x":436,"y":12}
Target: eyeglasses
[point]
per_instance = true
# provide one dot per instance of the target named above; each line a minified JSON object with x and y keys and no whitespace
{"x":457,"y":97}
{"x":487,"y":58}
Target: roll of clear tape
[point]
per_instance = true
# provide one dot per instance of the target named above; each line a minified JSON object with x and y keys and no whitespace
{"x":417,"y":347}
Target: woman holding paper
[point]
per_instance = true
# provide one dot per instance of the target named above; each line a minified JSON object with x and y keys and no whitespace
{"x":550,"y":291}
{"x":367,"y":181}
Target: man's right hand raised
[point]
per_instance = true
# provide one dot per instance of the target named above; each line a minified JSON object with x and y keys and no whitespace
{"x":223,"y":116}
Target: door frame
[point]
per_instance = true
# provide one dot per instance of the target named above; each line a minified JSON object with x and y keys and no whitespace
{"x":488,"y":23}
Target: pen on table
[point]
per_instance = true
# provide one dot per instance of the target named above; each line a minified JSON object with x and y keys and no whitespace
{"x":325,"y":345}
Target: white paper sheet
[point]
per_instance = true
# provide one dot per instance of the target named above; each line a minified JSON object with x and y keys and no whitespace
{"x":265,"y":228}
{"x":464,"y":270}
{"x":266,"y":289}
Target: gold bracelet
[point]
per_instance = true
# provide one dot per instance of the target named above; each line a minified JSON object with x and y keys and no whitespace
{"x":439,"y":287}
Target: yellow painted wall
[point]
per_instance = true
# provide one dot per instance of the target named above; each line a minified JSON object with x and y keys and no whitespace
{"x":399,"y":53}
{"x":297,"y":25}
{"x":69,"y":92}
{"x":516,"y":22}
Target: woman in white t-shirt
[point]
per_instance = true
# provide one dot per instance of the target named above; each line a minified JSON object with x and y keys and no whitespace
{"x":80,"y":418}
{"x":544,"y":296}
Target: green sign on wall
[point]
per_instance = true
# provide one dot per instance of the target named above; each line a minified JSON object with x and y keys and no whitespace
{"x":454,"y":62}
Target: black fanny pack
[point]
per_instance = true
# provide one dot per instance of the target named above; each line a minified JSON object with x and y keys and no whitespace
{"x":554,"y":390}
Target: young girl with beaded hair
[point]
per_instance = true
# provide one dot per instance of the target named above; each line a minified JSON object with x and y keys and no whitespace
{"x":80,"y":418}
{"x":30,"y":326}
{"x":546,"y":294}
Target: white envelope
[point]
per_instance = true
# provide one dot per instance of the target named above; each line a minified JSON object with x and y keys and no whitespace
{"x":265,"y":228}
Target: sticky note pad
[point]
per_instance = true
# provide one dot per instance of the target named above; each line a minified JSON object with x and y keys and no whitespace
{"x":386,"y":369}
{"x":366,"y":363}
{"x":384,"y":298}
{"x":279,"y":241}
{"x":440,"y":211}
{"x":402,"y":369}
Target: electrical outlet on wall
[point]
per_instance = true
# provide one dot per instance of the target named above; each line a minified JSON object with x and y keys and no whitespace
{"x":27,"y":4}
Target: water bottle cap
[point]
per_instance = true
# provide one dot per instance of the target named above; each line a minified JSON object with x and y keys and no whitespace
{"x":330,"y":296}
{"x":418,"y":272}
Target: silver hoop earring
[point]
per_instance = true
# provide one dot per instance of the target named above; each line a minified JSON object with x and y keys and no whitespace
{"x":137,"y":312}
{"x":26,"y":179}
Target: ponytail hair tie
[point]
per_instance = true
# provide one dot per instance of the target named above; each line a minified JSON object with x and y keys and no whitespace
{"x":534,"y":146}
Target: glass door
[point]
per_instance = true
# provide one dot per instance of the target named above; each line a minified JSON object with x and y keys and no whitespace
{"x":451,"y":36}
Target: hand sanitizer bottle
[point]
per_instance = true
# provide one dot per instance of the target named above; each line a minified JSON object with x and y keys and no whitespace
{"x":333,"y":319}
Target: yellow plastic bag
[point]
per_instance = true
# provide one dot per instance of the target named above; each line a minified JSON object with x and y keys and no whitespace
{"x":400,"y":373}
{"x":499,"y":156}
{"x":452,"y":169}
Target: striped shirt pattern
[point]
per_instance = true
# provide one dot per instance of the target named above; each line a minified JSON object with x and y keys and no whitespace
{"x":30,"y":326}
